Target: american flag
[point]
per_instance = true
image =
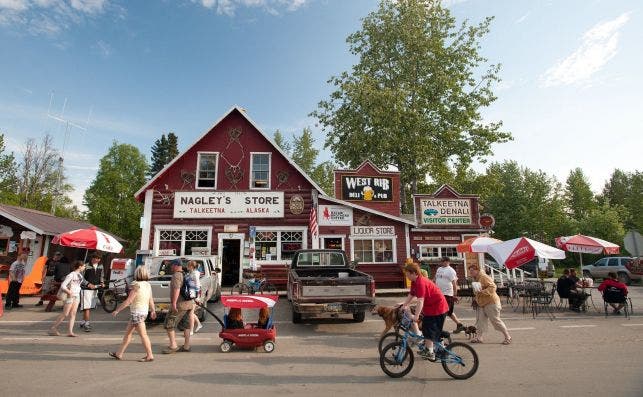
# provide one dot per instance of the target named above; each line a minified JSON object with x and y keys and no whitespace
{"x":312,"y":223}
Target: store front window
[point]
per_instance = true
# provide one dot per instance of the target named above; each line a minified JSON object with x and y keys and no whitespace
{"x":374,"y":250}
{"x":182,"y":241}
{"x":435,"y":252}
{"x":278,"y":245}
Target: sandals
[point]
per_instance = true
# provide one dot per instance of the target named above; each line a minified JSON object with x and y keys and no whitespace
{"x":145,"y":359}
{"x":170,"y":350}
{"x":53,"y":332}
{"x":507,"y":341}
{"x":113,"y":355}
{"x":185,"y":349}
{"x":476,"y":340}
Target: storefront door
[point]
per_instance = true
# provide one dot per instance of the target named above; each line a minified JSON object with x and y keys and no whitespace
{"x":230,"y":250}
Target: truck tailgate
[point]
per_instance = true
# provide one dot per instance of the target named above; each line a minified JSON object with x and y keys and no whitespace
{"x":333,"y":290}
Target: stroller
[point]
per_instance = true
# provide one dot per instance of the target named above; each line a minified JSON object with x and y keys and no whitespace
{"x":251,"y":334}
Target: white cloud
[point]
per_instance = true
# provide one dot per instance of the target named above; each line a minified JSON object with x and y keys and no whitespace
{"x":599,"y":45}
{"x":103,"y":48}
{"x":49,"y":17}
{"x":228,"y":7}
{"x":522,"y":18}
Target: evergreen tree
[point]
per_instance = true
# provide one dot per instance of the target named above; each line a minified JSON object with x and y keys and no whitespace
{"x":164,"y":150}
{"x":282,"y":143}
{"x":304,"y":154}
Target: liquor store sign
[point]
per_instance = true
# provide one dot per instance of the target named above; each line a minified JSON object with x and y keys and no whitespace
{"x":437,"y":211}
{"x":229,"y":205}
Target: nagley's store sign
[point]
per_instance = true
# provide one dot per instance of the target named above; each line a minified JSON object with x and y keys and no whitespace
{"x":229,"y":204}
{"x":445,"y":211}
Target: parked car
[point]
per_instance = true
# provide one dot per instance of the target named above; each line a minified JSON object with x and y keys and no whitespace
{"x":620,"y":265}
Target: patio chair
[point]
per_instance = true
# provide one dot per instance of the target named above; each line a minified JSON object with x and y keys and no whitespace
{"x":541,"y":301}
{"x":615,"y":295}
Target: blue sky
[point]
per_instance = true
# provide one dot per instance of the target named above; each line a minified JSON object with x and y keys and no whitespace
{"x":571,"y":89}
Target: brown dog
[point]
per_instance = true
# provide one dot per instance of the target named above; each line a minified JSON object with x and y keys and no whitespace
{"x":389,"y":315}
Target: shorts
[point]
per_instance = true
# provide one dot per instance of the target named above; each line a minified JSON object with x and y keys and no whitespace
{"x":137,"y":318}
{"x":432,"y":326}
{"x":172,"y":319}
{"x":71,"y":299}
{"x":88,"y":299}
{"x":451,"y":303}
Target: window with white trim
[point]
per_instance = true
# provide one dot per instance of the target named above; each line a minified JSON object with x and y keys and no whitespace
{"x":278,"y":245}
{"x":182,"y":239}
{"x":381,"y":250}
{"x":260,"y":170}
{"x":435,"y":252}
{"x":207,"y":170}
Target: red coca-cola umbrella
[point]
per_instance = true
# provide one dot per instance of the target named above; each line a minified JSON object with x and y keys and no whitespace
{"x":91,"y":238}
{"x":477,"y":244}
{"x":519,"y":251}
{"x":586,"y":244}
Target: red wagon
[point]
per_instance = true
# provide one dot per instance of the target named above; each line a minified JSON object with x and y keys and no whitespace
{"x":252,"y":334}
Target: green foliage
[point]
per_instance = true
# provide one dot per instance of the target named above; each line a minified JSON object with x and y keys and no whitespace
{"x":604,"y":221}
{"x":413,"y":100}
{"x":164,"y":150}
{"x":524,"y":203}
{"x":579,"y":198}
{"x":110,"y":197}
{"x":282,"y":143}
{"x":626,"y":189}
{"x":8,"y":178}
{"x":304,"y":154}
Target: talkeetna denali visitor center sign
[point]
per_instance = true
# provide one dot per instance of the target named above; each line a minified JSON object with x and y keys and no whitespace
{"x":445,"y":211}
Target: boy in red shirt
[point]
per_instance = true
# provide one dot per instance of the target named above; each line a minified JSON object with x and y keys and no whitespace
{"x":432,"y":305}
{"x":612,"y":282}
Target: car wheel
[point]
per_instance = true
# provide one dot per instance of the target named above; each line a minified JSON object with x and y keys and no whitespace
{"x":359,"y":317}
{"x":216,"y":296}
{"x":269,"y":346}
{"x":624,"y":278}
{"x":225,"y":346}
{"x":296,"y":317}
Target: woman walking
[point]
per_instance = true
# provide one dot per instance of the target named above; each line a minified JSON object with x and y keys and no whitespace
{"x":140,"y":301}
{"x":69,"y":293}
{"x":487,"y":303}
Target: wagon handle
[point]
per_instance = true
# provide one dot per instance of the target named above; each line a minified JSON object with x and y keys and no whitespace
{"x":213,"y":315}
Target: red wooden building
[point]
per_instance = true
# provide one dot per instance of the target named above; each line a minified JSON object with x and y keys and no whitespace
{"x":235,"y":194}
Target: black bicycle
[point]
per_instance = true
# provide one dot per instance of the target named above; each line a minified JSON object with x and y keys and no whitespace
{"x":459,"y":360}
{"x":112,"y":296}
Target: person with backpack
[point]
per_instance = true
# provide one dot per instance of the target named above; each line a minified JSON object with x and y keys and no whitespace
{"x":181,"y":306}
{"x":195,"y":281}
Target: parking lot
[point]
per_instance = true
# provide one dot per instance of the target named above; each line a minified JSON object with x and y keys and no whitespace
{"x":576,"y":354}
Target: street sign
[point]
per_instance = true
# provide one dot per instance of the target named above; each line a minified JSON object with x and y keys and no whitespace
{"x":633,"y":243}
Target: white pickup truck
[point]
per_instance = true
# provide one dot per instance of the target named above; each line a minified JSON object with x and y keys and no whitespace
{"x":160,"y":268}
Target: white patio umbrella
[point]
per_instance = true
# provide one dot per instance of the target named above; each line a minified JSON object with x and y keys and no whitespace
{"x":516,"y":252}
{"x":586,"y":244}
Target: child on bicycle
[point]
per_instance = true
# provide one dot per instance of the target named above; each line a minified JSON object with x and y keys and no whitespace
{"x":195,"y":275}
{"x":430,"y":303}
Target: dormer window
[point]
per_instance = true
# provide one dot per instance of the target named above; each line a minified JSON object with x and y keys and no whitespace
{"x":207,"y":170}
{"x":260,"y":171}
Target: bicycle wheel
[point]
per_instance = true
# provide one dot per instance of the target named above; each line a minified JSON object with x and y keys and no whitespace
{"x":387,"y":339}
{"x":109,"y":301}
{"x":268,"y":289}
{"x":239,"y":288}
{"x":396,"y":362}
{"x":460,"y":361}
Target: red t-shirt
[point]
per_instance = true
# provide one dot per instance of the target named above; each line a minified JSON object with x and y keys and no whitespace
{"x":434,"y":301}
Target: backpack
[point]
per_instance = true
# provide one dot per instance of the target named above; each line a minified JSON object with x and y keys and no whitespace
{"x":188,"y":288}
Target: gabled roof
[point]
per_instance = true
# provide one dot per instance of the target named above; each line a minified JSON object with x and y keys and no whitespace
{"x":366,"y":209}
{"x":243,"y":113}
{"x":447,"y":188}
{"x":42,"y":222}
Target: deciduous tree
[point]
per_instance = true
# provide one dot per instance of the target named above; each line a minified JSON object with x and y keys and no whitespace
{"x":110,"y":197}
{"x":413,"y":100}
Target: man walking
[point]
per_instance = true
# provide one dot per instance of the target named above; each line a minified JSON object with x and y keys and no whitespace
{"x":447,"y":280}
{"x":179,"y":309}
{"x":88,"y":297}
{"x":16,"y":275}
